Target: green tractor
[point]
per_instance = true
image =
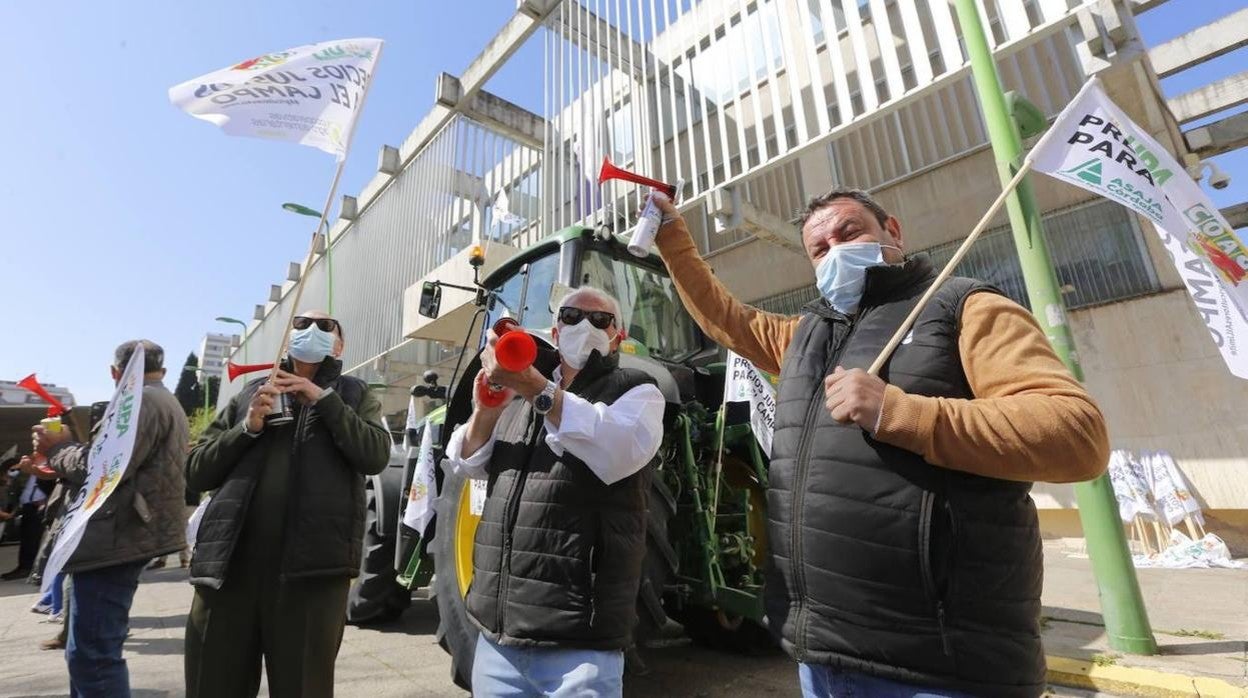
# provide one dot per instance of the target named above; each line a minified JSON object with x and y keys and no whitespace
{"x":707,"y":538}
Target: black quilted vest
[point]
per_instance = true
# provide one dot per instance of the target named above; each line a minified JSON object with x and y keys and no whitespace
{"x":325,"y":507}
{"x":882,"y":562}
{"x":558,"y":553}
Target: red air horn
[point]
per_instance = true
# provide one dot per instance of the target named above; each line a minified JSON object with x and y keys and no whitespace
{"x":516,"y":351}
{"x":234,"y":370}
{"x":650,"y":219}
{"x":610,"y":172}
{"x":55,"y":408}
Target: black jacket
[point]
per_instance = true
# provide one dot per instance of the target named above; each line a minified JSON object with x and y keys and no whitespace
{"x":884,"y":563}
{"x":558,"y":553}
{"x":294,"y":494}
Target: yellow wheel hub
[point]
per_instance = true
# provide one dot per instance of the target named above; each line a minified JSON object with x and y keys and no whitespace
{"x":465,"y":532}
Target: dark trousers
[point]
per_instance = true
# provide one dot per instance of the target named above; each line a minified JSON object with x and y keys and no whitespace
{"x":295,"y":626}
{"x":31,"y":532}
{"x":99,"y":619}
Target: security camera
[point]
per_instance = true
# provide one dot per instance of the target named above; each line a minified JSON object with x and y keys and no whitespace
{"x":1196,"y":168}
{"x":1217,"y":178}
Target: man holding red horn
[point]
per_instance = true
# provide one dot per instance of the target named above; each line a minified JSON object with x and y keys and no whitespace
{"x":905,"y":546}
{"x":281,"y":537}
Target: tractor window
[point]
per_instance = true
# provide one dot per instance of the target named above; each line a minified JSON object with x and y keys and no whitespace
{"x":651,"y":309}
{"x":531,"y":286}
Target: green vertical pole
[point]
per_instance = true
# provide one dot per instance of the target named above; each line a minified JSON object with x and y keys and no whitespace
{"x":1122,"y":605}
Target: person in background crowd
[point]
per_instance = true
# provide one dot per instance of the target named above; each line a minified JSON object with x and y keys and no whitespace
{"x":33,"y":498}
{"x":281,"y":537}
{"x":143,"y":518}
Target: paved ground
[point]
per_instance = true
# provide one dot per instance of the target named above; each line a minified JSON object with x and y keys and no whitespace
{"x":404,"y":660}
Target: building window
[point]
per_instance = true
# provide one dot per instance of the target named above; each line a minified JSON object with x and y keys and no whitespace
{"x":1097,"y":249}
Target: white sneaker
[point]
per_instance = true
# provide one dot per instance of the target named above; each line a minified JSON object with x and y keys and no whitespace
{"x":41,"y":608}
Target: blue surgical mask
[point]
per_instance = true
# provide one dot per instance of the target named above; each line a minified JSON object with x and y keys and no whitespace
{"x":310,"y":345}
{"x":842,"y":273}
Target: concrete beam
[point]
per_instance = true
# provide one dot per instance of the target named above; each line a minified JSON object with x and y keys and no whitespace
{"x":1141,"y":6}
{"x":1226,"y":93}
{"x":1201,"y":44}
{"x":1219,"y":137}
{"x":585,"y":35}
{"x":733,"y":213}
{"x":293,"y":271}
{"x":388,"y":160}
{"x":530,"y":14}
{"x":1237,"y":215}
{"x":511,"y":120}
{"x":350,"y":208}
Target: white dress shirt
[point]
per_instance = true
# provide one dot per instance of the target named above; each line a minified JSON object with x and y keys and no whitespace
{"x":613,"y":440}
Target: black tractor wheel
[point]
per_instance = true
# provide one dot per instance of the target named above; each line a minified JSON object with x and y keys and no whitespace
{"x":452,"y":572}
{"x":375,"y":595}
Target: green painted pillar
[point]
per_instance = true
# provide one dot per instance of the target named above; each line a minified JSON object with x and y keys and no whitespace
{"x":1122,"y":605}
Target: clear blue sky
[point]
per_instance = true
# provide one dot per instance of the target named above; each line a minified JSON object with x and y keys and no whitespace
{"x":123,"y":217}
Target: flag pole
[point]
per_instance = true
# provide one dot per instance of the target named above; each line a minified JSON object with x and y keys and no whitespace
{"x":329,"y":199}
{"x":1122,"y":604}
{"x":965,"y":247}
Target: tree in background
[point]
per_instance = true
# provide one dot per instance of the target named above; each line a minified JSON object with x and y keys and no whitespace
{"x":214,"y":388}
{"x":188,"y":391}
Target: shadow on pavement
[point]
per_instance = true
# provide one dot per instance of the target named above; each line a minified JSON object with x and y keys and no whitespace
{"x":158,"y":622}
{"x":154,"y":645}
{"x":1194,"y":648}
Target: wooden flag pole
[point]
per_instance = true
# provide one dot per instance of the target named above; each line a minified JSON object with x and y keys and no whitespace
{"x":329,"y":199}
{"x":945,"y":273}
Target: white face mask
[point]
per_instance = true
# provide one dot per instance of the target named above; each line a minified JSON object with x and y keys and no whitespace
{"x":577,"y":342}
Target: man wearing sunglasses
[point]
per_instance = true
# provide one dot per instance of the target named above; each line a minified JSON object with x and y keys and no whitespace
{"x":559,"y":550}
{"x":280,"y":539}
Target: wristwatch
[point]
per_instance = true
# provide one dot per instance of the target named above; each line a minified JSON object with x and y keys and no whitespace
{"x":545,"y":399}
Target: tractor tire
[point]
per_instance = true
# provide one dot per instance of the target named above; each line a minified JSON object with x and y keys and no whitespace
{"x":451,"y":551}
{"x":375,"y":595}
{"x":456,"y":634}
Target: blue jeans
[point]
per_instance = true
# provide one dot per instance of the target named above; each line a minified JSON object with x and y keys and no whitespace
{"x":99,"y":618}
{"x":55,"y":598}
{"x":512,"y":672}
{"x":820,"y":681}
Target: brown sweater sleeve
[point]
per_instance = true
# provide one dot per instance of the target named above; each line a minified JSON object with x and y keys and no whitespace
{"x":759,"y":336}
{"x":1030,"y":419}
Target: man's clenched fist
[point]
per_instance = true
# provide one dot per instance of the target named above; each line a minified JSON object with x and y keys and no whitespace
{"x":854,"y":396}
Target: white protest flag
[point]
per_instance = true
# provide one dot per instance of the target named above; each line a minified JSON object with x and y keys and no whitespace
{"x":309,"y":94}
{"x":106,"y":464}
{"x":424,"y":487}
{"x":745,"y":383}
{"x":1095,"y":146}
{"x":1184,"y":492}
{"x":1129,"y":489}
{"x":503,"y":214}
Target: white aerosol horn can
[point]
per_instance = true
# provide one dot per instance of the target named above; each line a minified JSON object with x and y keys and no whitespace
{"x":648,"y":224}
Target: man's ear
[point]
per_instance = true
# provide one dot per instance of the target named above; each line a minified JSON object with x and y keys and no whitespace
{"x":339,"y":345}
{"x":115,"y":373}
{"x":893,"y":226}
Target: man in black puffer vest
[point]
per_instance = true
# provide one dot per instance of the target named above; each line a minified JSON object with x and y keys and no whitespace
{"x":905,"y":547}
{"x":281,"y":537}
{"x":558,"y":554}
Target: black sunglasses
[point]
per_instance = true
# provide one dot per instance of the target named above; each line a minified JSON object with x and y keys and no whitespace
{"x":598,"y":318}
{"x":324,"y":324}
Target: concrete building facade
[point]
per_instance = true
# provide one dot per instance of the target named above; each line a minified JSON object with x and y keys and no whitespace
{"x":11,"y":394}
{"x":755,"y":106}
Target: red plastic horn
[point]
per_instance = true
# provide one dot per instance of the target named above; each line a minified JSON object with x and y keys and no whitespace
{"x":55,"y":408}
{"x":516,"y":351}
{"x":610,"y":172}
{"x":234,"y":370}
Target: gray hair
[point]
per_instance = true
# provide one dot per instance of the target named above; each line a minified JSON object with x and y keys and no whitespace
{"x":153,"y":355}
{"x":819,"y":202}
{"x":595,"y":293}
